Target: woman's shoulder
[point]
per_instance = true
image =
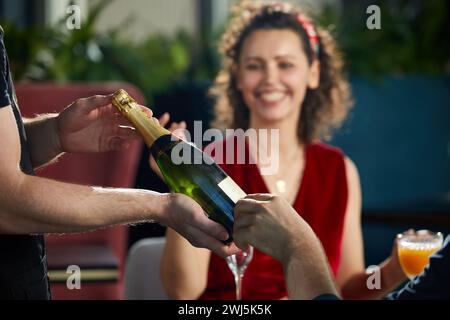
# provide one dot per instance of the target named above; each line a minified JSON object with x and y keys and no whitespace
{"x":327,"y":159}
{"x":326,"y":151}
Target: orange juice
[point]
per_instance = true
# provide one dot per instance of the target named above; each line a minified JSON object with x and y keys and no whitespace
{"x":414,"y":260}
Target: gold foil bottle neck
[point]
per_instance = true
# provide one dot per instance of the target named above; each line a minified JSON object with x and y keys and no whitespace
{"x":149,"y":128}
{"x":122,"y":101}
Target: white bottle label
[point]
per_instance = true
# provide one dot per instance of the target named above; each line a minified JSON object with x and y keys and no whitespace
{"x":231,"y":189}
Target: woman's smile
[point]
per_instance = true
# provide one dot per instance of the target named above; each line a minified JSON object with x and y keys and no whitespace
{"x":271,"y":98}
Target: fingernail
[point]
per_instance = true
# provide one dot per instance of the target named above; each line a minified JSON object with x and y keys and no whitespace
{"x":223,"y":235}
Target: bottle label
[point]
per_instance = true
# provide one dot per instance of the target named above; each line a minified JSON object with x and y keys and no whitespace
{"x":231,"y":189}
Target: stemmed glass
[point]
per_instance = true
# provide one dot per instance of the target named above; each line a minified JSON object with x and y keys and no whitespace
{"x":237,"y":264}
{"x":415,"y":248}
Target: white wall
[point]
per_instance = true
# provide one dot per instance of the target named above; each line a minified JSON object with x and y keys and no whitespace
{"x":150,"y":16}
{"x":55,"y":10}
{"x":221,"y":9}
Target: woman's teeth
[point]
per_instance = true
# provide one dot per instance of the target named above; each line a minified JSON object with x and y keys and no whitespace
{"x":272,"y":96}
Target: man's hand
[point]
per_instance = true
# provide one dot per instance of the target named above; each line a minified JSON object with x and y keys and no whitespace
{"x":186,"y":217}
{"x":271,"y":225}
{"x":268,"y":223}
{"x":93,"y":124}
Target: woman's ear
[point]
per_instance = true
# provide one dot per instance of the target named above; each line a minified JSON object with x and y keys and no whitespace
{"x":314,"y":75}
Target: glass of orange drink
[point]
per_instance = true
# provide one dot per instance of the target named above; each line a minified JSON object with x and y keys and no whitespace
{"x":415,"y":249}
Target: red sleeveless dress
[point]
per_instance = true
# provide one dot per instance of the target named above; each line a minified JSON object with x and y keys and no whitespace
{"x":321,"y":201}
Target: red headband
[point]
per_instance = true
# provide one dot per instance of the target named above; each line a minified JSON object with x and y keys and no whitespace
{"x":310,"y":32}
{"x":304,"y":22}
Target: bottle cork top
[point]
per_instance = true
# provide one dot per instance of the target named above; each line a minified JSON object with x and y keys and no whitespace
{"x":122,"y":100}
{"x":149,"y":127}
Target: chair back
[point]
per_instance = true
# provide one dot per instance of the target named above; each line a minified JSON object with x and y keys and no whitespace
{"x":142,"y":270}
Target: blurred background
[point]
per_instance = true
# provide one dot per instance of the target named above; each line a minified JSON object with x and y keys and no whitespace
{"x":398,"y":133}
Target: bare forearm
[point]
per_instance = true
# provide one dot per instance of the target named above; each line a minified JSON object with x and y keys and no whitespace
{"x":37,"y":205}
{"x":43,"y":141}
{"x":373,"y":286}
{"x":306,"y":285}
{"x":183,"y":268}
{"x":307,"y":272}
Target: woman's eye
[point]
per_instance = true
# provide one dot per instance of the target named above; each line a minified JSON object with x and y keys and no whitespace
{"x":253,"y":67}
{"x":286,"y":65}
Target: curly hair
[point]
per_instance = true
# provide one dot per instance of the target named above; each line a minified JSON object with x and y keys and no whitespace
{"x":323,"y":108}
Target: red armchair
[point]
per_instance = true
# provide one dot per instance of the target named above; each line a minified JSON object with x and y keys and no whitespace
{"x":100,"y":254}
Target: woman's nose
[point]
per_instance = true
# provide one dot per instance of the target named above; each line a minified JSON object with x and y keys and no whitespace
{"x":271,"y":74}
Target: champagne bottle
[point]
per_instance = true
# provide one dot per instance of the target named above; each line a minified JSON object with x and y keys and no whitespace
{"x":204,"y":181}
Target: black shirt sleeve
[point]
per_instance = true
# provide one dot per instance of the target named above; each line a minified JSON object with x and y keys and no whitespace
{"x":433,"y":283}
{"x":327,"y":296}
{"x":4,"y":74}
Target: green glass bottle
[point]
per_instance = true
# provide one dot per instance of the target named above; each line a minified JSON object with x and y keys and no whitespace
{"x":193,"y":172}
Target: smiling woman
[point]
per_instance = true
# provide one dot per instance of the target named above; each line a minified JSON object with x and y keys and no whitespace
{"x":273,"y":80}
{"x":324,"y":105}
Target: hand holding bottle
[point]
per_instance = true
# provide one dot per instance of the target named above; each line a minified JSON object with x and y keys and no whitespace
{"x":187,"y":218}
{"x":92,"y":125}
{"x":270,"y":224}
